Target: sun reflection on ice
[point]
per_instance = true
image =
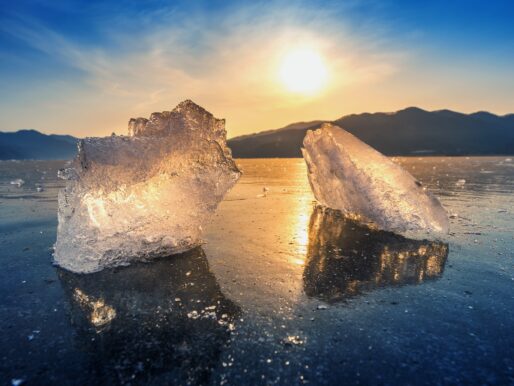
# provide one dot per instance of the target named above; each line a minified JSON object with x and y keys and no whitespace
{"x":300,"y":228}
{"x":301,"y":232}
{"x":101,"y":314}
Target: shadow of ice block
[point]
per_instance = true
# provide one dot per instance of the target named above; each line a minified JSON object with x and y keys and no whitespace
{"x":345,"y":258}
{"x":160,"y":323}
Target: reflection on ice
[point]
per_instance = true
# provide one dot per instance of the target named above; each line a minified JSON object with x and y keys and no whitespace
{"x":158,"y":323}
{"x":100,"y":314}
{"x":345,"y":258}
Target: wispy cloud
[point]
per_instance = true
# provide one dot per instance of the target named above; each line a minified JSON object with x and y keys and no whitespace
{"x":228,"y":63}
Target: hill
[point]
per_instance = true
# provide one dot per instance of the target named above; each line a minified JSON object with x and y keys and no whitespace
{"x":411,"y":131}
{"x":406,"y":132}
{"x":31,"y":144}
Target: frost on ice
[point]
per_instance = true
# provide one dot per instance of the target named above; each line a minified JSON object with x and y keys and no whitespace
{"x":348,"y":175}
{"x":144,"y":195}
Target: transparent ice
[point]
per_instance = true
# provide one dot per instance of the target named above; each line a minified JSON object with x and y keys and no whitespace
{"x":348,"y":175}
{"x":18,"y":182}
{"x":144,"y":195}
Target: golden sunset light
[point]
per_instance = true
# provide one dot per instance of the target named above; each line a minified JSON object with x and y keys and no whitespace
{"x":278,"y":192}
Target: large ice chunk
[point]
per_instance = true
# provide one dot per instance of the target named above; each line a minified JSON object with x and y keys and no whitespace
{"x":145,"y":195}
{"x":348,"y":175}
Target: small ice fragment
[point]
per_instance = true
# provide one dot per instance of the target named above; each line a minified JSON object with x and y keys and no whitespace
{"x":209,"y":315}
{"x":460,"y":182}
{"x":17,"y":381}
{"x":193,"y":315}
{"x":321,"y":307}
{"x":264,"y":192}
{"x":292,"y":340}
{"x":508,"y":159}
{"x":348,"y":175}
{"x":39,"y":188}
{"x":18,"y":182}
{"x":146,"y":195}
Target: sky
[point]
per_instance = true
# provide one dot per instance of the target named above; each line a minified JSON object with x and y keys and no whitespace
{"x":85,"y":67}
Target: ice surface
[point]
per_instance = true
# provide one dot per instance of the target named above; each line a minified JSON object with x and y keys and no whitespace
{"x":145,"y":195}
{"x":348,"y":175}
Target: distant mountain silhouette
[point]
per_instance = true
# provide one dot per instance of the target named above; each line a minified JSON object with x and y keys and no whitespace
{"x":31,"y":144}
{"x":406,"y":132}
{"x":411,"y":131}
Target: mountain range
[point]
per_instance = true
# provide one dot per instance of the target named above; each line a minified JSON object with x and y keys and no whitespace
{"x":411,"y":131}
{"x":406,"y":132}
{"x":31,"y":144}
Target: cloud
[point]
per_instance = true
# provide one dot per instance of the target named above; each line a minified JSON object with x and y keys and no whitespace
{"x":227,"y":62}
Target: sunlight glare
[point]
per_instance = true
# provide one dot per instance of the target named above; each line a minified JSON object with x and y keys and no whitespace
{"x":303,"y":71}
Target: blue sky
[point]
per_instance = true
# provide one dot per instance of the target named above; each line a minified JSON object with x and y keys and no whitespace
{"x":86,"y":67}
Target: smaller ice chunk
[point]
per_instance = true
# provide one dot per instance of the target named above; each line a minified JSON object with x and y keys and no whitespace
{"x":348,"y":175}
{"x":18,"y":182}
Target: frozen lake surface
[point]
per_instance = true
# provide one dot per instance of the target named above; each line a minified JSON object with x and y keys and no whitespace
{"x":280,"y":293}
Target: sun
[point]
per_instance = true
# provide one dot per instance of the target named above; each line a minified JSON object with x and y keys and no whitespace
{"x":303,"y":71}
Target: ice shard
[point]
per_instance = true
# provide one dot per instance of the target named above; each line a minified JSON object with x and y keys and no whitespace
{"x":145,"y":195}
{"x":350,"y":176}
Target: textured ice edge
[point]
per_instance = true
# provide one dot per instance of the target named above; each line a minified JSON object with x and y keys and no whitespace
{"x":348,"y":175}
{"x":138,"y":197}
